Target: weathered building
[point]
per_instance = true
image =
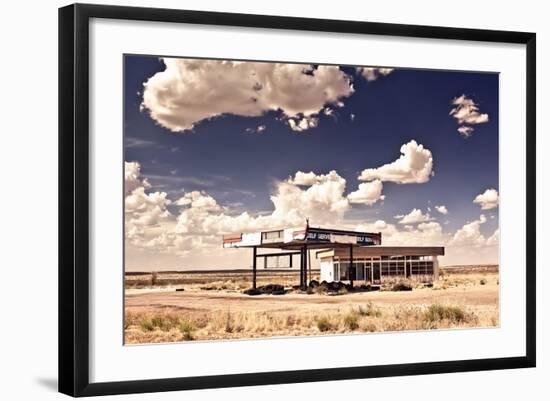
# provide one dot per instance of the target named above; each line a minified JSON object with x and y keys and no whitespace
{"x":344,"y":255}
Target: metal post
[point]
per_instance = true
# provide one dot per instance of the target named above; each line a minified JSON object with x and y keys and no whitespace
{"x":351,"y":267}
{"x":305,"y":268}
{"x":309,"y":266}
{"x":301,"y":268}
{"x":254,"y":267}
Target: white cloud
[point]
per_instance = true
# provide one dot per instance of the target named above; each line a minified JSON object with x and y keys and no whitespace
{"x":373,"y":73}
{"x":466,"y":246}
{"x":494,"y":238}
{"x":189,"y":91}
{"x":427,"y":233}
{"x":368,"y":193}
{"x":466,"y":111}
{"x":442,"y":209}
{"x":319,"y":197}
{"x":303,"y":123}
{"x":144,"y":213}
{"x":414,"y":216}
{"x":301,"y":178}
{"x":322,"y":201}
{"x":202,"y":216}
{"x":199,"y":200}
{"x":144,"y":208}
{"x":465,"y":131}
{"x":380,"y":225}
{"x":488,"y":199}
{"x":201,"y":220}
{"x":470,"y":235}
{"x":414,"y":166}
{"x":132,"y":142}
{"x":259,"y":129}
{"x":132,"y":177}
{"x":193,"y":232}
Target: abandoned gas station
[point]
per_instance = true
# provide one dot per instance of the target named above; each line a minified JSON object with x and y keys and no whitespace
{"x":344,"y":255}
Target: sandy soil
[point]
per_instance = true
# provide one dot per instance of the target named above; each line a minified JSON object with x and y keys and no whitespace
{"x":150,"y":300}
{"x":215,"y":310}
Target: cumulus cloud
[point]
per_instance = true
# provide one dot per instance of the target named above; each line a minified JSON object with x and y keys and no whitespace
{"x":319,"y":197}
{"x":303,"y":123}
{"x":201,"y":220}
{"x":146,"y":208}
{"x":144,"y":213}
{"x":466,"y":112}
{"x":202,"y":216}
{"x":196,"y":226}
{"x":193,"y":225}
{"x":413,"y":217}
{"x":199,"y":200}
{"x":465,"y":246}
{"x":368,"y":193}
{"x":323,"y":200}
{"x":189,"y":91}
{"x":470,"y":235}
{"x":132,"y":177}
{"x":442,"y":209}
{"x":426,"y":233}
{"x":488,"y":199}
{"x":301,"y":178}
{"x":373,"y":73}
{"x":414,"y":166}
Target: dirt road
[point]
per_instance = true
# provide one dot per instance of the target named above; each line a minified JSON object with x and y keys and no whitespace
{"x":151,"y":301}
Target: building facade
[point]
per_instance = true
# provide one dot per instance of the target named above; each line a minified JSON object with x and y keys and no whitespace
{"x":344,"y":255}
{"x":378,"y":264}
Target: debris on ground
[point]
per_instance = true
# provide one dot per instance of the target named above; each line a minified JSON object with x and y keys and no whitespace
{"x":270,"y":289}
{"x":314,"y":287}
{"x":338,"y":287}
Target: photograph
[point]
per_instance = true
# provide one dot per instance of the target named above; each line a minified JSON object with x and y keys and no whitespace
{"x":276,"y":199}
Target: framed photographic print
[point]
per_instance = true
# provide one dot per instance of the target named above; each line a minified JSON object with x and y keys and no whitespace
{"x":354,"y":196}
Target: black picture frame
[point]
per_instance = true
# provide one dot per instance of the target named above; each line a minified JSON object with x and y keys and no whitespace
{"x":74,"y":201}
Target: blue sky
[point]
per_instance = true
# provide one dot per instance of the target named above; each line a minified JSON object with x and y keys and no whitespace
{"x":225,"y":157}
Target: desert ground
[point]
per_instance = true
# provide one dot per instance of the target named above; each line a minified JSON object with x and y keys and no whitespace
{"x":197,"y":306}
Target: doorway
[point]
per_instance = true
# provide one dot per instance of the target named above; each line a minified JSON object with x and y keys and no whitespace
{"x":360,"y":271}
{"x":376,"y":272}
{"x":368,"y":272}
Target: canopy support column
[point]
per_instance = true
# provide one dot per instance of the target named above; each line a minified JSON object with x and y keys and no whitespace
{"x":303,"y":271}
{"x":301,"y":268}
{"x":351,"y":267}
{"x":254,"y":257}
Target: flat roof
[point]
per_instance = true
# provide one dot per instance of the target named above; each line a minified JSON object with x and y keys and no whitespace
{"x":295,"y":238}
{"x":380,"y":250}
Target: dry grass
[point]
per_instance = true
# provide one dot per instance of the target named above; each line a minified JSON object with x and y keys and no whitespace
{"x":216,"y":309}
{"x":400,"y":284}
{"x":173,"y":326}
{"x":213,"y":281}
